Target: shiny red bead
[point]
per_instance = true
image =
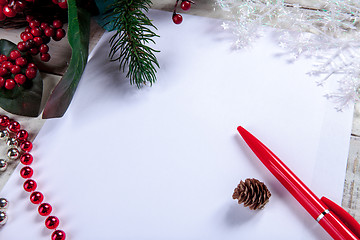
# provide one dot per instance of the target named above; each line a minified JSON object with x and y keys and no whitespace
{"x":22,"y":135}
{"x":63,"y":4}
{"x":36,"y":197}
{"x":30,"y":185}
{"x":52,"y":222}
{"x":10,"y":84}
{"x":14,"y":54}
{"x":26,"y":146}
{"x":57,"y":23}
{"x":58,"y":235}
{"x":14,"y":126}
{"x":4,"y":121}
{"x":8,"y":11}
{"x":44,"y":209}
{"x":26,"y":172}
{"x":31,"y":73}
{"x":26,"y":159}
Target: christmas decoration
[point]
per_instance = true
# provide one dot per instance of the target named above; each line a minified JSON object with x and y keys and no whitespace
{"x":253,"y":193}
{"x":185,"y":5}
{"x":17,"y":139}
{"x":329,"y":33}
{"x":128,"y":45}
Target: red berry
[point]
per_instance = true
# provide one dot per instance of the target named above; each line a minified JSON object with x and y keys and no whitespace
{"x":44,"y":209}
{"x":52,"y":222}
{"x":60,"y":33}
{"x":29,"y":18}
{"x":3,"y":71}
{"x":31,"y":73}
{"x":7,"y":64}
{"x":30,"y":185}
{"x":15,"y":70}
{"x":57,"y":23}
{"x":27,"y":29}
{"x":63,"y":4}
{"x":26,"y":172}
{"x":45,"y":57}
{"x":34,"y":23}
{"x":19,"y":6}
{"x":2,"y":82}
{"x":20,"y":79}
{"x":177,"y":18}
{"x":36,"y":197}
{"x":8,"y":11}
{"x":14,"y":54}
{"x":10,"y":84}
{"x":21,"y":61}
{"x":44,"y":25}
{"x":49,"y":32}
{"x":30,"y":43}
{"x":22,"y":46}
{"x":185,"y":5}
{"x":44,"y":48}
{"x":27,"y":36}
{"x":36,"y":32}
{"x":34,"y":51}
{"x":38,"y":41}
{"x":32,"y":65}
{"x":58,"y":235}
{"x":3,"y":58}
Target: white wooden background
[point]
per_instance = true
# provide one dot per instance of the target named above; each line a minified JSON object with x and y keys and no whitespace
{"x":61,"y":54}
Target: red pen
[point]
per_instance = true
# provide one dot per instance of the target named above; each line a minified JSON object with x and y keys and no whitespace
{"x":334,"y":219}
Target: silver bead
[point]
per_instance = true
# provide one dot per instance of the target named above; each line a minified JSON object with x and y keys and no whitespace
{"x":13,"y":154}
{"x":4,"y":134}
{"x":4,"y":203}
{"x":3,"y":165}
{"x":12,"y":142}
{"x":3,"y":218}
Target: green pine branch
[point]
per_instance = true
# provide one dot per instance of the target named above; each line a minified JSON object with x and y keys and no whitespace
{"x":129,"y":43}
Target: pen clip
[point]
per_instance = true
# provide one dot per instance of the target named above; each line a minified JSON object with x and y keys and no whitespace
{"x":343,"y":215}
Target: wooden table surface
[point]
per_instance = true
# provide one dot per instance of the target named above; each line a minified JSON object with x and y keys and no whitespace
{"x":60,"y":53}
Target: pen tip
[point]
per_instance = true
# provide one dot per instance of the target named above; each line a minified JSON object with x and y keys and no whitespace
{"x":241,"y":129}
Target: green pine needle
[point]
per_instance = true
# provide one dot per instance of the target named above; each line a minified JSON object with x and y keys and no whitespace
{"x":128,"y":45}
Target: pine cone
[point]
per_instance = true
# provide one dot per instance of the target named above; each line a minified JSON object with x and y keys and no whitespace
{"x":253,"y":193}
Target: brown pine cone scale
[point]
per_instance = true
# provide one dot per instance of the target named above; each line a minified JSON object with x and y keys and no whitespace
{"x":252,"y":193}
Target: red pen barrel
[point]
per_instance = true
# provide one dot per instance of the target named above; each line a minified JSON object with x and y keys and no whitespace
{"x":312,"y":204}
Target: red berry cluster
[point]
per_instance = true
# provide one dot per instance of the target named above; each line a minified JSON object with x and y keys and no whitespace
{"x":185,"y":5}
{"x":38,"y":35}
{"x":61,"y":3}
{"x":11,"y":70}
{"x":9,"y":8}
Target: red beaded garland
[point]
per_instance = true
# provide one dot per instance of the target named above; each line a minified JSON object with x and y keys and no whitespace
{"x":52,"y":222}
{"x":14,"y":126}
{"x":26,"y":159}
{"x":26,"y":146}
{"x":177,"y":18}
{"x":26,"y":172}
{"x":58,"y":235}
{"x":22,"y":135}
{"x":30,"y":185}
{"x":185,"y":5}
{"x":44,"y":209}
{"x":36,"y":197}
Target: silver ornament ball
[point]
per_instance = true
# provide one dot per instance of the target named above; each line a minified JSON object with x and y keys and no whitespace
{"x":4,"y":134}
{"x":3,"y":165}
{"x":13,"y":154}
{"x":4,"y":203}
{"x":12,"y":142}
{"x":3,"y":218}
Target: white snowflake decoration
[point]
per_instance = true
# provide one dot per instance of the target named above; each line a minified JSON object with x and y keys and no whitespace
{"x":329,"y":32}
